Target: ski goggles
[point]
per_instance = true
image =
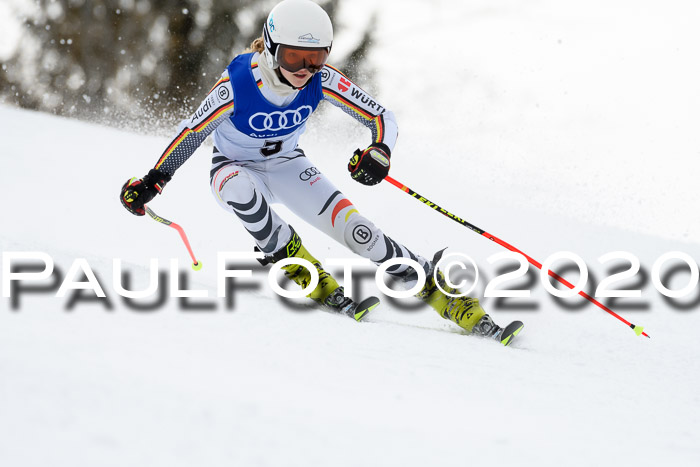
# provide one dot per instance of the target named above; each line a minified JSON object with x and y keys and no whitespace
{"x":294,"y":59}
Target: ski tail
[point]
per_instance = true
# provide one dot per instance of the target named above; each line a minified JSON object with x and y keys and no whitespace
{"x":510,"y":332}
{"x":364,"y":307}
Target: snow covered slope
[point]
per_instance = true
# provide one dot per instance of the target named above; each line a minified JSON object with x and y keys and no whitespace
{"x":263,"y":384}
{"x":534,"y":149}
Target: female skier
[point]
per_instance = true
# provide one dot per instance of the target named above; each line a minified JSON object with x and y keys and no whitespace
{"x":256,"y":111}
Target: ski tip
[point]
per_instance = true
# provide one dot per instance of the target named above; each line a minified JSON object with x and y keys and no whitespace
{"x":365,"y":306}
{"x":638,"y":330}
{"x":510,"y":331}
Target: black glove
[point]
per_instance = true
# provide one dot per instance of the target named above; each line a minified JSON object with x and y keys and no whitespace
{"x":137,"y":192}
{"x":370,"y":166}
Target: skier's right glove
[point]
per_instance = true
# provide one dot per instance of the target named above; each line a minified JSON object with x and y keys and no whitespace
{"x":137,"y":192}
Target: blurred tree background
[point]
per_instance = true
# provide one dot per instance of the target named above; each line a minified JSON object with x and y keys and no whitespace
{"x":129,"y":62}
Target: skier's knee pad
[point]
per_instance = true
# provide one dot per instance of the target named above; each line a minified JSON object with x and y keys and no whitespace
{"x":367,"y":240}
{"x":241,"y":193}
{"x":364,"y":238}
{"x":233,"y":185}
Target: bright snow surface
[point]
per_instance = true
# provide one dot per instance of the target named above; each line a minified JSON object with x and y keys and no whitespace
{"x":266,"y":385}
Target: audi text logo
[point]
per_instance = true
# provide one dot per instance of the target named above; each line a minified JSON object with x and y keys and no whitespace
{"x":275,"y":121}
{"x":306,"y":175}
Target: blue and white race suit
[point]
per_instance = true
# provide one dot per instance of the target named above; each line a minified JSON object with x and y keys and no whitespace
{"x":257,"y":161}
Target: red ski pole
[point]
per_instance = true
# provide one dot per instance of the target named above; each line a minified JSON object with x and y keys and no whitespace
{"x":196,"y":265}
{"x":639,"y":330}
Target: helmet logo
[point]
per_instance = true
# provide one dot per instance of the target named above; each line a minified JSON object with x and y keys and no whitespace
{"x":271,"y":24}
{"x":309,"y":38}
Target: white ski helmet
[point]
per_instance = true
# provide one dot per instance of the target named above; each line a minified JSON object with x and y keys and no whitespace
{"x":296,"y":23}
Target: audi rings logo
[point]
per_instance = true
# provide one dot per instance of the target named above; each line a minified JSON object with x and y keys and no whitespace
{"x":275,"y":121}
{"x":306,"y":175}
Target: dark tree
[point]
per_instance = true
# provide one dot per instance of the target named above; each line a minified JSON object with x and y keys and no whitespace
{"x":126,"y":61}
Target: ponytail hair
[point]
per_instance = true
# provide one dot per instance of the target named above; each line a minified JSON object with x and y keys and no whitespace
{"x":258,"y":45}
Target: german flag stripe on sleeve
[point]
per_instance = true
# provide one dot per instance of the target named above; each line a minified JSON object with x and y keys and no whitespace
{"x":336,"y":70}
{"x":380,"y":128}
{"x":222,"y":80}
{"x":335,"y":96}
{"x":198,"y":129}
{"x":216,"y":114}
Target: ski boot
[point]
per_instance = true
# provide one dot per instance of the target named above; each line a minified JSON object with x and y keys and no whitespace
{"x":327,"y":293}
{"x":465,"y":312}
{"x":487,"y":328}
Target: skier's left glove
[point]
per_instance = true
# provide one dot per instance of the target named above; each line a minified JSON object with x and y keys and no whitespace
{"x":370,"y":166}
{"x":137,"y":192}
